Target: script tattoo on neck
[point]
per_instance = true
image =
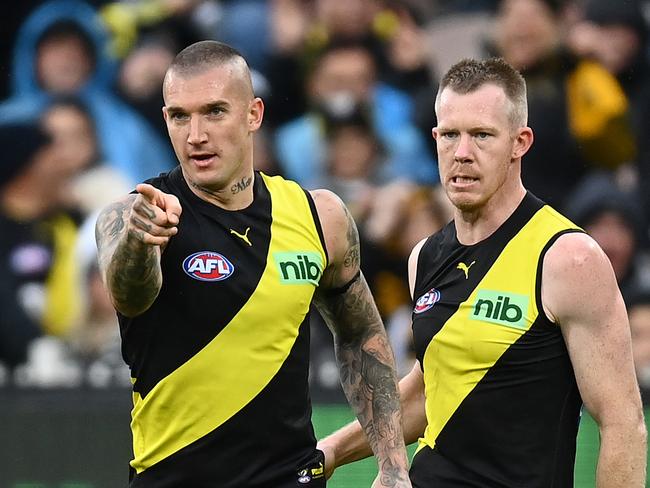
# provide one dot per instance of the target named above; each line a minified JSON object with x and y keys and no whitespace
{"x":241,"y":185}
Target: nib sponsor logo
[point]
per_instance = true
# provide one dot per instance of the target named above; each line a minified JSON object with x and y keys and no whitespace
{"x":502,"y":308}
{"x":299,"y":267}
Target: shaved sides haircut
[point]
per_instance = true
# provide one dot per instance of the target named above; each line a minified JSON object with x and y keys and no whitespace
{"x":469,"y":75}
{"x":203,"y":55}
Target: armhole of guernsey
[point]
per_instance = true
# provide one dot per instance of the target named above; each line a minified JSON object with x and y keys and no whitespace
{"x":513,"y":281}
{"x":540,"y":268}
{"x":419,"y":271}
{"x":244,"y":357}
{"x":319,"y":227}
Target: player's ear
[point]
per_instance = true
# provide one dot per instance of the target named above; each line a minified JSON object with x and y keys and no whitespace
{"x":255,"y":114}
{"x":523,"y":141}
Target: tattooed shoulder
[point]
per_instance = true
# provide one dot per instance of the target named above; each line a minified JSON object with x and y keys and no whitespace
{"x":352,"y":256}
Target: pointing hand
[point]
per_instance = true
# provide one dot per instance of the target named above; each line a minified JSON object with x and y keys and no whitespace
{"x":154,"y":216}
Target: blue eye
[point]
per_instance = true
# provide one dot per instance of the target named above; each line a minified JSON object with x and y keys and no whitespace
{"x":179,"y":116}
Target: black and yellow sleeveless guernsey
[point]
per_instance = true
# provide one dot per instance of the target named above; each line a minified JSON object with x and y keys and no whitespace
{"x":220,"y":361}
{"x":502,"y":402}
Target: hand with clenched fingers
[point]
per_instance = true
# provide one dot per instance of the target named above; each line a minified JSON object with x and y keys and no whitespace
{"x":154,"y":216}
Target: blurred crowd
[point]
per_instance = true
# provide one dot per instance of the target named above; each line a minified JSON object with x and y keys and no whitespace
{"x":349,"y":88}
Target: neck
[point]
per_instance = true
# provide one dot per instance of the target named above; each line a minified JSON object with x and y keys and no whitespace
{"x":237,"y":194}
{"x":475,"y":225}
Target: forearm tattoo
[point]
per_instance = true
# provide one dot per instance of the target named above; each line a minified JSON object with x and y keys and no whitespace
{"x":366,"y":365}
{"x":130,"y":267}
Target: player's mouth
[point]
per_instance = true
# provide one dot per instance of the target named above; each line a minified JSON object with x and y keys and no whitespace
{"x":462,"y":180}
{"x":202,"y":159}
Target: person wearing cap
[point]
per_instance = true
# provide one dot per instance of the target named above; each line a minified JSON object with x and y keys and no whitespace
{"x":37,"y":276}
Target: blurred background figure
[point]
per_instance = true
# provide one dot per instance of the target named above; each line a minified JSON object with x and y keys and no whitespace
{"x":140,"y":78}
{"x":614,"y":219}
{"x":61,"y":49}
{"x":355,"y":160}
{"x":343,"y":80}
{"x":616,"y":35}
{"x":578,"y":110}
{"x":39,"y":277}
{"x":93,"y":340}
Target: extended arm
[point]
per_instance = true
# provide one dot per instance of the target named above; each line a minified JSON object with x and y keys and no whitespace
{"x":579,"y":292}
{"x":365,"y":358}
{"x":129,"y":234}
{"x":348,"y":444}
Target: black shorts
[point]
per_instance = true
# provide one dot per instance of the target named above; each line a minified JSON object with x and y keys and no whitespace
{"x":310,"y":474}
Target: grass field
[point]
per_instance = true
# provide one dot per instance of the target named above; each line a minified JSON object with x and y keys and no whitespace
{"x":328,"y":418}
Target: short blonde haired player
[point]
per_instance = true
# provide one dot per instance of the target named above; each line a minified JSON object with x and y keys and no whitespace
{"x":517,"y":318}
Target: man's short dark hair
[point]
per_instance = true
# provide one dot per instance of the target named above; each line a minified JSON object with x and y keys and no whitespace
{"x":469,"y":75}
{"x":203,"y":54}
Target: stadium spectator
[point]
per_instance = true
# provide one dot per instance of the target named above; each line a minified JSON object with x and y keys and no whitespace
{"x":354,"y":160}
{"x":301,"y":31}
{"x":94,"y":337}
{"x":212,"y":268}
{"x":39,"y":283}
{"x":578,"y":109}
{"x":129,"y":21}
{"x":62,"y":50}
{"x":343,"y":80}
{"x":141,"y":76}
{"x":614,"y":218}
{"x":625,"y":54}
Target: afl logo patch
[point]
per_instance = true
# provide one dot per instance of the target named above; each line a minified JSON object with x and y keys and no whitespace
{"x":303,"y":476}
{"x":208,"y":266}
{"x":426,"y":301}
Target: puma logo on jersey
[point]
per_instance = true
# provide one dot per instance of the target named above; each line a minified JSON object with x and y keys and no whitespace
{"x":464,"y":268}
{"x":244,"y":236}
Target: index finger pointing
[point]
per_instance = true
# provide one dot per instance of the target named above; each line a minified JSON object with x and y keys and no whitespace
{"x":148,"y":192}
{"x":173,"y":209}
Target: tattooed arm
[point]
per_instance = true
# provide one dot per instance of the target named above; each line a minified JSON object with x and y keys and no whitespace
{"x":130,"y":234}
{"x":364,"y":355}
